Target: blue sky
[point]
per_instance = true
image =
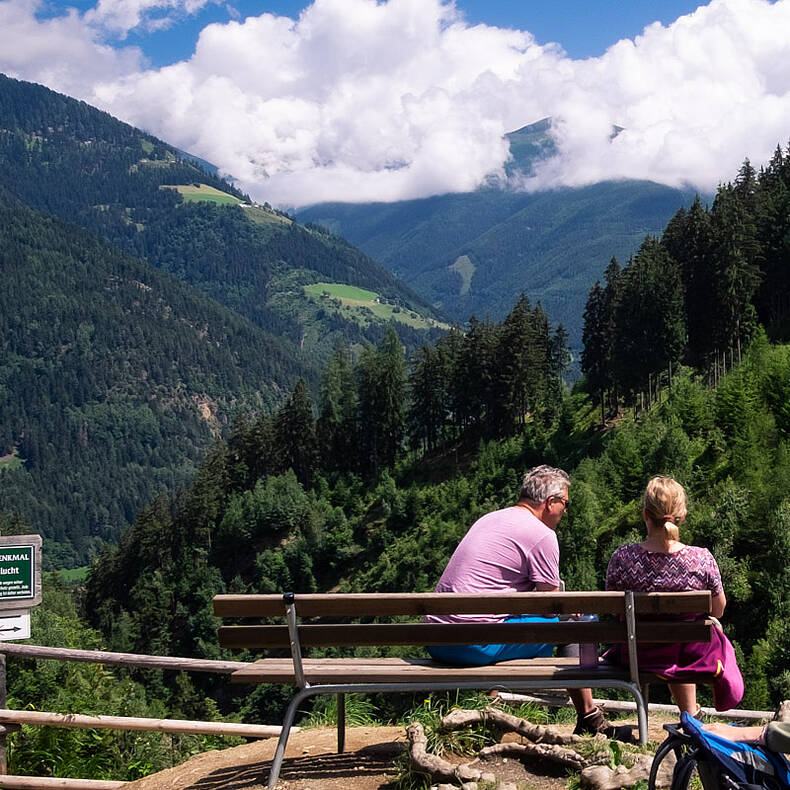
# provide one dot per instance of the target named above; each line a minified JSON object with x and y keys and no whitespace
{"x":366,"y":100}
{"x":584,"y":28}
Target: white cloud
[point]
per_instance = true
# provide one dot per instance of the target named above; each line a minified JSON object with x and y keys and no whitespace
{"x":366,"y":100}
{"x":121,"y":16}
{"x":62,"y":53}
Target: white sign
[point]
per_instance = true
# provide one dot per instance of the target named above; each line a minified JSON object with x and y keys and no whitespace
{"x":15,"y":625}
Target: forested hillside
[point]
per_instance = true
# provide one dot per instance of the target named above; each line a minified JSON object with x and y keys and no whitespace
{"x":697,"y":294}
{"x":269,"y":511}
{"x":115,"y":379}
{"x":248,"y":526}
{"x":371,"y":487}
{"x":68,"y":159}
{"x":120,"y":369}
{"x":473,"y":253}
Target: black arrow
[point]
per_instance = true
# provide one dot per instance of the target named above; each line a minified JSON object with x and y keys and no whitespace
{"x":15,"y":628}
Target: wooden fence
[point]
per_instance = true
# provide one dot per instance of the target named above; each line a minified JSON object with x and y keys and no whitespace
{"x":12,"y":720}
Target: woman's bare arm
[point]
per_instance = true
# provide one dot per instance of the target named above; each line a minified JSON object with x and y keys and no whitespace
{"x":718,"y":604}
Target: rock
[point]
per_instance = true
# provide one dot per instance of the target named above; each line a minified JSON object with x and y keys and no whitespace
{"x":490,"y":778}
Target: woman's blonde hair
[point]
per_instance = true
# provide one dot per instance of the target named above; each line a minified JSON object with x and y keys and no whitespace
{"x":665,"y":504}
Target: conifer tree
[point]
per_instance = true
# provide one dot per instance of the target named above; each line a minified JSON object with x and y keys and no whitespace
{"x":650,"y":333}
{"x":381,"y":391}
{"x":427,"y":398}
{"x":688,"y":239}
{"x":337,"y":426}
{"x":737,"y":252}
{"x":515,"y":368}
{"x":595,"y":339}
{"x":772,"y":299}
{"x":294,"y":429}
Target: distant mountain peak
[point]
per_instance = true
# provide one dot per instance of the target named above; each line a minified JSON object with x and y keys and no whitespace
{"x":528,"y":145}
{"x":539,"y":127}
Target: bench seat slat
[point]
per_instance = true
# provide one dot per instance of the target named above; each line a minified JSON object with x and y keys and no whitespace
{"x":327,"y":670}
{"x":342,"y":635}
{"x":389,"y":604}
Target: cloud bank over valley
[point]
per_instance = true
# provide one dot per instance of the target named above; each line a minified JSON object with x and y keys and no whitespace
{"x":363,"y":101}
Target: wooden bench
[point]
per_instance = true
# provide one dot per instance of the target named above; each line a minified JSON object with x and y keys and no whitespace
{"x":341,"y":676}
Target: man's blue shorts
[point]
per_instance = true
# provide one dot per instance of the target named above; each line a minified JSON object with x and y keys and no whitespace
{"x":482,"y":655}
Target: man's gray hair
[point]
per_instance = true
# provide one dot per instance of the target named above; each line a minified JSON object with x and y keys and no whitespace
{"x":543,"y":482}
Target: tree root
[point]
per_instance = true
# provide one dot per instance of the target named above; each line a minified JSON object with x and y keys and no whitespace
{"x":543,"y":743}
{"x":507,"y":723}
{"x":430,"y":764}
{"x":602,"y":777}
{"x":565,"y":757}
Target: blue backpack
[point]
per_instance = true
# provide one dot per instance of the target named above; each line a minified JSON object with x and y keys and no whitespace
{"x":721,"y":764}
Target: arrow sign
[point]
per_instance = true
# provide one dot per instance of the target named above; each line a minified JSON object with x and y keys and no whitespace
{"x":15,"y":625}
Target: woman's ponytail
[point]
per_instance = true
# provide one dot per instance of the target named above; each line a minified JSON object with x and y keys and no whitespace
{"x":665,"y":505}
{"x":671,"y":530}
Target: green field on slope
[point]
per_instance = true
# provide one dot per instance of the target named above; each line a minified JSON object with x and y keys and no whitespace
{"x":196,"y":192}
{"x":358,"y":304}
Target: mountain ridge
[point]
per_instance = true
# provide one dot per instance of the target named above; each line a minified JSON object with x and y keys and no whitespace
{"x":66,"y":158}
{"x":552,"y":244}
{"x":139,"y":317}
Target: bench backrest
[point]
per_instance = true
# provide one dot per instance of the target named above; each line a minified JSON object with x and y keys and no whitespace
{"x":663,"y":609}
{"x":388,"y":604}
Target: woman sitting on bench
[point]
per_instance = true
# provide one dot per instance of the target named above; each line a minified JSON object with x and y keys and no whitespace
{"x":661,"y":563}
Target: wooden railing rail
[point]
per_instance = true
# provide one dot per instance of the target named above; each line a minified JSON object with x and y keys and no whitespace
{"x":54,"y":783}
{"x":47,"y":719}
{"x":122,"y":659}
{"x":10,"y":719}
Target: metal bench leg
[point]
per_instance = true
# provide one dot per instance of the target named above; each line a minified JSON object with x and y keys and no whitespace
{"x":288,"y":721}
{"x":641,"y":714}
{"x":341,"y":723}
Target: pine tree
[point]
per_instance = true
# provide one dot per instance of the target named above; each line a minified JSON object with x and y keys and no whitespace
{"x":737,"y":251}
{"x":515,"y":367}
{"x":688,"y":239}
{"x":381,"y":374}
{"x":595,"y":339}
{"x":428,"y":398}
{"x":650,"y":333}
{"x":294,"y":429}
{"x":337,"y":426}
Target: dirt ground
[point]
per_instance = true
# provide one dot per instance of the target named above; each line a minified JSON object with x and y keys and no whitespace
{"x":312,"y":763}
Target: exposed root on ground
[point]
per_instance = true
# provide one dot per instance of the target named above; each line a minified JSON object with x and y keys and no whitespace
{"x":541,"y":742}
{"x":602,"y":777}
{"x":507,"y":723}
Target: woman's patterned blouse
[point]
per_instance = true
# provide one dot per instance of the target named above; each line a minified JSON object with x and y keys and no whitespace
{"x":635,"y":568}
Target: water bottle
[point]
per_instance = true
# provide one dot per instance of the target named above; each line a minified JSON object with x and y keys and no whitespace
{"x":588,"y":651}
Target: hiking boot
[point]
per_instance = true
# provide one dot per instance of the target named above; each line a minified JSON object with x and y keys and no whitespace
{"x":594,"y":723}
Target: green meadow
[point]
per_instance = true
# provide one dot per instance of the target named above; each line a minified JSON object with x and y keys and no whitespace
{"x":263,"y":216}
{"x":464,"y":267}
{"x":197,"y":192}
{"x":74,"y":576}
{"x":358,"y":304}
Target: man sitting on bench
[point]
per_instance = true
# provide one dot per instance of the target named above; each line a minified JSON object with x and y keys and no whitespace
{"x":516,"y":550}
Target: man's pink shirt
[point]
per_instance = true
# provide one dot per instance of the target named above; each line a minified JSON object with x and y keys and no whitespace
{"x":509,"y":550}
